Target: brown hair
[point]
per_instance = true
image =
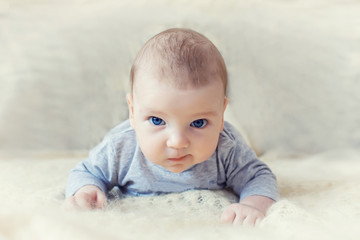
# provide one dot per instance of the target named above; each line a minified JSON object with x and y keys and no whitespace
{"x":177,"y":51}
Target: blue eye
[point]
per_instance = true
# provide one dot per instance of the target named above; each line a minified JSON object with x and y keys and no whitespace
{"x":200,"y":123}
{"x":156,"y":121}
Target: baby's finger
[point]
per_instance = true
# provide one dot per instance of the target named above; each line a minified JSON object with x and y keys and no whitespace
{"x":228,"y":216}
{"x":249,"y":221}
{"x":83,"y":202}
{"x":101,"y":200}
{"x":239,"y":220}
{"x":258,"y":221}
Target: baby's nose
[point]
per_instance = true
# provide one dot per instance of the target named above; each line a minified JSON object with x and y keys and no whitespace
{"x":178,"y":140}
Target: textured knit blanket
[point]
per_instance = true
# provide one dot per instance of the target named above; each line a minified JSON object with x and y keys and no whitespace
{"x":319,"y":200}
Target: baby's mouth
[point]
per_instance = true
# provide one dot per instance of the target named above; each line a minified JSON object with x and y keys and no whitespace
{"x":176,"y":159}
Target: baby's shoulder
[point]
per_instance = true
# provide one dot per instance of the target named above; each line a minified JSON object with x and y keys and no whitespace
{"x":123,"y":135}
{"x":122,"y":128}
{"x":230,"y":138}
{"x":230,"y":133}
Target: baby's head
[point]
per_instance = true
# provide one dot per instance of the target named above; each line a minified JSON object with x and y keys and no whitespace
{"x":178,"y":99}
{"x":177,"y":53}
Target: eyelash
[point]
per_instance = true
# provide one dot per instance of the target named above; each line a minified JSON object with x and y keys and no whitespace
{"x":202,"y":122}
{"x":158,"y":122}
{"x":155,"y":120}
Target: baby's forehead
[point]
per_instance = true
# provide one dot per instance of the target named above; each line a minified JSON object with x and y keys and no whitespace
{"x":180,"y":79}
{"x":151,"y":93}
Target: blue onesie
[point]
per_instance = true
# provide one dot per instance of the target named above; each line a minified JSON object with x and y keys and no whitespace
{"x":118,"y":161}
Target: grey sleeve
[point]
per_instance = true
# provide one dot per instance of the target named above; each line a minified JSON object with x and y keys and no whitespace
{"x":98,"y":169}
{"x":246,"y":174}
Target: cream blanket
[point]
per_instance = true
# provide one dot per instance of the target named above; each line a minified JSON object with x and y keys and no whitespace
{"x":294,"y":88}
{"x":319,"y":200}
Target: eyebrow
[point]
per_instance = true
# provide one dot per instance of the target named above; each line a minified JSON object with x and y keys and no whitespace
{"x":210,"y":113}
{"x":154,"y":112}
{"x":159,"y":113}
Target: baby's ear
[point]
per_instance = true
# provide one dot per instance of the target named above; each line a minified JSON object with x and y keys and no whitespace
{"x":226,"y":101}
{"x":129,"y":99}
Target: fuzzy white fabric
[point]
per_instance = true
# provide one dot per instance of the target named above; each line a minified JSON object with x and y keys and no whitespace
{"x":320,"y":200}
{"x":294,"y":94}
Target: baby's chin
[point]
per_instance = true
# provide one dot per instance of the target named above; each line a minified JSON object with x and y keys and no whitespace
{"x":178,"y":165}
{"x":178,"y":168}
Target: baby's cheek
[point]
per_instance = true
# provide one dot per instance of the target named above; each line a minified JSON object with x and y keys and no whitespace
{"x":152,"y":149}
{"x":207,"y":148}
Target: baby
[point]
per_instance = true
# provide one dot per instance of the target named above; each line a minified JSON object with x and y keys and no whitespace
{"x":176,"y":139}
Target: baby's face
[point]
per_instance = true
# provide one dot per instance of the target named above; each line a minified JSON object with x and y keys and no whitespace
{"x":176,"y":128}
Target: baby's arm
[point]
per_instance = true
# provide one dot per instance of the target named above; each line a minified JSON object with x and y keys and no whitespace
{"x":250,"y":211}
{"x":250,"y":178}
{"x":257,"y":185}
{"x":87,"y":197}
{"x":92,"y":178}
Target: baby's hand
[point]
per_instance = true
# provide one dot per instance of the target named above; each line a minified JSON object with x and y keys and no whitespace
{"x":250,"y":211}
{"x":241,"y":214}
{"x":87,"y":197}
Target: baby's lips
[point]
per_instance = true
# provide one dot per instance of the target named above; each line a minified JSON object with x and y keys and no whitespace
{"x":178,"y":158}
